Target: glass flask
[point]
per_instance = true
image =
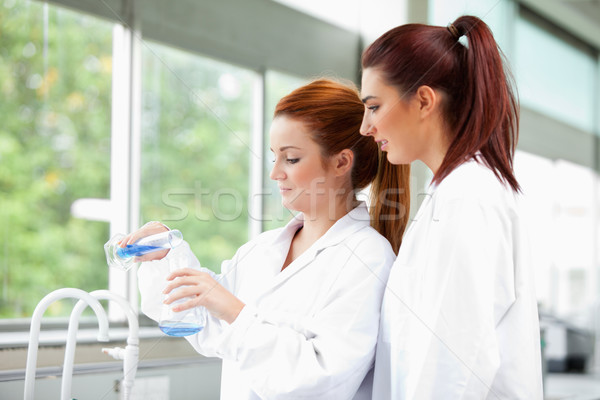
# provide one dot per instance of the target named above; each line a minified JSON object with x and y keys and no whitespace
{"x":182,"y":323}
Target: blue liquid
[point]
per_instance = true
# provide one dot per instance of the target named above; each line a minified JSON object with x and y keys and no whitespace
{"x":136,"y":250}
{"x":179,"y":329}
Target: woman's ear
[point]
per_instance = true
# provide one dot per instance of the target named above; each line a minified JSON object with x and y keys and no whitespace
{"x":342,"y":162}
{"x":428,"y":100}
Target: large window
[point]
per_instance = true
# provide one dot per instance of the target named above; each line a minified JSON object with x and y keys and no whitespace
{"x":555,"y":73}
{"x":184,"y":143}
{"x":196,"y":135}
{"x":55,"y":84}
{"x":495,"y":13}
{"x":559,"y":204}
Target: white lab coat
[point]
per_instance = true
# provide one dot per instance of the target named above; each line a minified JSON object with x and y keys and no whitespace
{"x":307,"y":332}
{"x":459,"y":317}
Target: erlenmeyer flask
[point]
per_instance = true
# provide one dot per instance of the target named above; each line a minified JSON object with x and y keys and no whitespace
{"x":181,"y":323}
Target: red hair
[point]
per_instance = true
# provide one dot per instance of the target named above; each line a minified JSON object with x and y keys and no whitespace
{"x":333,"y":113}
{"x":480,"y":109}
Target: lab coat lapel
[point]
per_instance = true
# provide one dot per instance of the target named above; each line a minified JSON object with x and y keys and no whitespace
{"x":425,"y":200}
{"x":275,"y":252}
{"x":356,"y":219}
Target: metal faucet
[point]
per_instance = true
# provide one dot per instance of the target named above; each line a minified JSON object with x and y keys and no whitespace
{"x":36,"y":321}
{"x":129,"y":355}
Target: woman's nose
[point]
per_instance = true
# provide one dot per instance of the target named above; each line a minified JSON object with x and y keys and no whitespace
{"x":366,"y":128}
{"x":276,"y":173}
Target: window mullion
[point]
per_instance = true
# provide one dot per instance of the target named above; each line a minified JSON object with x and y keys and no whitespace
{"x":255,"y":203}
{"x":120,"y":153}
{"x":125,"y":150}
{"x":135,"y":109}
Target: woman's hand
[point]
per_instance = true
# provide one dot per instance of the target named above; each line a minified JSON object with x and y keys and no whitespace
{"x":204,"y":291}
{"x":150,"y":228}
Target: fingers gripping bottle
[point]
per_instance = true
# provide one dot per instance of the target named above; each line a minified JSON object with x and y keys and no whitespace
{"x":181,"y":323}
{"x":123,"y":257}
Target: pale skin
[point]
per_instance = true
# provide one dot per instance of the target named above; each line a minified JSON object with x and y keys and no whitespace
{"x":319,"y":191}
{"x":408,"y":128}
{"x":317,"y":187}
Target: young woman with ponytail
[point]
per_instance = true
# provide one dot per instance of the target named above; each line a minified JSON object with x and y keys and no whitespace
{"x":295,"y":313}
{"x":459,"y":317}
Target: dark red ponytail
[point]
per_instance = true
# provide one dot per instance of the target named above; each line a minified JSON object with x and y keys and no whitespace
{"x":481,"y":109}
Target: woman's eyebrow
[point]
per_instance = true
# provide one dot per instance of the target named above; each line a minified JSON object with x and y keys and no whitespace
{"x":365,"y":99}
{"x":285,"y":148}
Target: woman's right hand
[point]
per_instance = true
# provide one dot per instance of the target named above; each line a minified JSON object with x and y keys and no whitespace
{"x":151,"y":228}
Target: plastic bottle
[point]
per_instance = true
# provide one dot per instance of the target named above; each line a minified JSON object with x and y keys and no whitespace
{"x":123,"y":257}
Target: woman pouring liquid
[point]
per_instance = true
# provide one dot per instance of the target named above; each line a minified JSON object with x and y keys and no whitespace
{"x":295,"y":312}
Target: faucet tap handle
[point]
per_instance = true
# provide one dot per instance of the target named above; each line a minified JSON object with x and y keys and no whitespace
{"x":117,"y":353}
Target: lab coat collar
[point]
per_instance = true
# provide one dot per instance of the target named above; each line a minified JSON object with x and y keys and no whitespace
{"x":433,"y":187}
{"x":356,"y":219}
{"x":477,"y":157}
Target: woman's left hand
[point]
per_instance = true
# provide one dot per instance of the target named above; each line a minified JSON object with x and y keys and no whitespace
{"x":203,"y":291}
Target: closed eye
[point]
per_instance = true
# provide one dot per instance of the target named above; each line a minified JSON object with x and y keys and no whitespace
{"x":288,"y":160}
{"x":373,"y":108}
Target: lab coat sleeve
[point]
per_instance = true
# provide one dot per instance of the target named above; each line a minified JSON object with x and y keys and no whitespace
{"x":325,"y":355}
{"x":470,"y":287}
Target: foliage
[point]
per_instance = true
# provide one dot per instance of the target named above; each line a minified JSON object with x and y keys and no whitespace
{"x":54,"y":149}
{"x":196,"y":126}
